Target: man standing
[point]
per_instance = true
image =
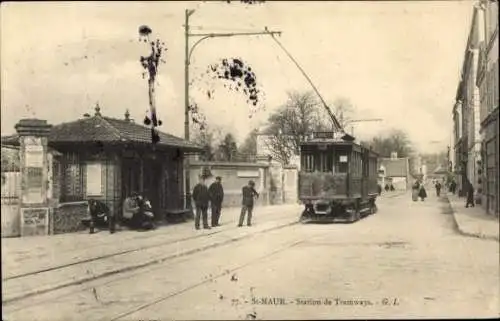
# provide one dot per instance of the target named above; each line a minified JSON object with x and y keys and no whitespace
{"x":248,"y":193}
{"x":216,"y":192}
{"x":453,"y":187}
{"x":438,"y":188}
{"x":201,"y":199}
{"x":470,"y":194}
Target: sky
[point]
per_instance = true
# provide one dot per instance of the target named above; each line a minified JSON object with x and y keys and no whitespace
{"x":399,"y":61}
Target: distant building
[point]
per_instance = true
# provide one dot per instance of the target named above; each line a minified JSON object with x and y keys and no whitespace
{"x":396,"y":171}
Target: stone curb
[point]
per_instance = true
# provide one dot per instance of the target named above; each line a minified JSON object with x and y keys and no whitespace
{"x":143,"y":265}
{"x":462,"y":231}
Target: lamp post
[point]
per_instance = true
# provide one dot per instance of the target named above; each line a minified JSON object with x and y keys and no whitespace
{"x":188,"y":52}
{"x":360,"y":121}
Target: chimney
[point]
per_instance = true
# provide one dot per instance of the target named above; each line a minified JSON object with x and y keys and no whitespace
{"x":127,"y":115}
{"x":86,"y":115}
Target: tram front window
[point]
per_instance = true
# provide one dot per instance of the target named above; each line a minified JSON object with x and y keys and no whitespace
{"x":307,"y":162}
{"x":325,"y":162}
{"x":341,"y":164}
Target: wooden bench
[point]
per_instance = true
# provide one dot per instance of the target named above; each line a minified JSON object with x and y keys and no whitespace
{"x":178,"y":215}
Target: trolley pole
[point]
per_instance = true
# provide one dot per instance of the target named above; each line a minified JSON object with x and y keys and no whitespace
{"x":188,"y":52}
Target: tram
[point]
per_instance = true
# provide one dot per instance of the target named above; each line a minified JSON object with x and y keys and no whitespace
{"x":337,"y":178}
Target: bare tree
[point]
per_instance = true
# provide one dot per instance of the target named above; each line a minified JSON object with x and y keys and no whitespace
{"x":343,"y":109}
{"x":227,"y":149}
{"x":288,"y":126}
{"x":205,"y":138}
{"x":396,"y":141}
{"x":150,"y":64}
{"x":248,"y":150}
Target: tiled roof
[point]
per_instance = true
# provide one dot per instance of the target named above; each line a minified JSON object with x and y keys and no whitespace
{"x":395,"y":167}
{"x":107,"y":130}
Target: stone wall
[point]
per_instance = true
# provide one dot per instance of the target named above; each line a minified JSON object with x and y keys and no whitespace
{"x":67,"y":217}
{"x":234,"y":177}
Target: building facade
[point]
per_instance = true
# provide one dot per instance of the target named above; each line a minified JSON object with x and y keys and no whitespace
{"x":466,"y":111}
{"x":488,"y":84}
{"x":396,"y":171}
{"x":99,"y":158}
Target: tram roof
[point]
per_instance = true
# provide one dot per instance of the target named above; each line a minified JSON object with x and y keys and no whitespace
{"x":328,"y":137}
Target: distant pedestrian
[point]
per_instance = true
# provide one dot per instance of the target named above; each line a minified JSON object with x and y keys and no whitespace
{"x":392,"y":188}
{"x":415,"y":190}
{"x":386,"y":187}
{"x":470,"y":194}
{"x":453,"y":187}
{"x":201,"y":199}
{"x":247,"y":203}
{"x":422,"y":193}
{"x":379,"y":189}
{"x":438,"y":188}
{"x":216,"y":192}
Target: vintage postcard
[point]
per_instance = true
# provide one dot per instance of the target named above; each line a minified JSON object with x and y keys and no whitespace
{"x":249,"y":160}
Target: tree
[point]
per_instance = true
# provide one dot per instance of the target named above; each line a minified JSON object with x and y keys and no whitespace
{"x":150,"y":64}
{"x":227,"y":149}
{"x":396,"y":141}
{"x":248,"y":150}
{"x":205,"y":138}
{"x":343,"y":109}
{"x":288,"y":126}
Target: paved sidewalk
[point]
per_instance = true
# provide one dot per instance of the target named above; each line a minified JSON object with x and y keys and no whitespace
{"x":30,"y":254}
{"x":474,"y":221}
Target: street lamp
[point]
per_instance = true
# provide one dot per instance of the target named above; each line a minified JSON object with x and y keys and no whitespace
{"x":187,"y":61}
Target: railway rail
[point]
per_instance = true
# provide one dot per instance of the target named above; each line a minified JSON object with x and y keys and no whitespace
{"x":141,"y":257}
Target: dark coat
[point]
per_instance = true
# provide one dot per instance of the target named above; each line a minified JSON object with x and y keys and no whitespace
{"x":201,"y":196}
{"x":422,"y":193}
{"x":216,"y":192}
{"x":470,"y":193}
{"x":248,"y":194}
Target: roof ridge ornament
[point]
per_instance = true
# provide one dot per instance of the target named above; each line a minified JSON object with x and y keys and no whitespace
{"x":97,"y":110}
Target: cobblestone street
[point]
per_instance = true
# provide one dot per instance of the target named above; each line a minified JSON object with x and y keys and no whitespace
{"x":408,"y":260}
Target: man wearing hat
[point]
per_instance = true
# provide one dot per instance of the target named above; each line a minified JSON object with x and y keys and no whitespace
{"x":201,"y":199}
{"x":216,"y":192}
{"x":248,"y":193}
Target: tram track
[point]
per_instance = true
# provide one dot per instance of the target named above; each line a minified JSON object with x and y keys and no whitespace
{"x":146,"y":236}
{"x":120,"y":308}
{"x":203,"y":282}
{"x":130,"y":312}
{"x":72,"y":277}
{"x":57,"y":293}
{"x":140,"y":307}
{"x":106,"y":256}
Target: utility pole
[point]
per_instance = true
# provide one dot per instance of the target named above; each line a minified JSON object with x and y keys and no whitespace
{"x":188,"y":52}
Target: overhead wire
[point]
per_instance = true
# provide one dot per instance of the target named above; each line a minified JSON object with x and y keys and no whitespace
{"x":335,"y":122}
